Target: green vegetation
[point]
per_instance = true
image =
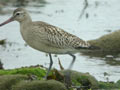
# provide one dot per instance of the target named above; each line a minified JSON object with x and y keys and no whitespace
{"x":84,"y":79}
{"x":21,"y":79}
{"x":109,"y":85}
{"x":39,"y":72}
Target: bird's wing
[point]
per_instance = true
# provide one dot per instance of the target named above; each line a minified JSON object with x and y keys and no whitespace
{"x":57,"y":37}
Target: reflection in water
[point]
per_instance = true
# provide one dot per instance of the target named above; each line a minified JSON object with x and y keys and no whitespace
{"x":64,"y":14}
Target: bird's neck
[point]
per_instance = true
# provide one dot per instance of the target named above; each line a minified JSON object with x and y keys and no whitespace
{"x":26,"y":23}
{"x":25,"y":26}
{"x":27,"y":20}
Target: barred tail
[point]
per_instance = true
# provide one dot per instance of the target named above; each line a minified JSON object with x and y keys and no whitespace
{"x":88,"y":46}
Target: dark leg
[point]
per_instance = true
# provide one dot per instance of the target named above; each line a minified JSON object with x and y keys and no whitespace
{"x":68,"y":74}
{"x":51,"y":63}
{"x":71,"y":64}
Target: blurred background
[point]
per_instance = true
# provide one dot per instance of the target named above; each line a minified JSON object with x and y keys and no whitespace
{"x":87,"y":19}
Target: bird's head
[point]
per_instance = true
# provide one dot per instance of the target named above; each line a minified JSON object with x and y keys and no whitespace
{"x":19,"y":15}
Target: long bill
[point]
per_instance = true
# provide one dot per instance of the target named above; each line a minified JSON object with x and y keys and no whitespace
{"x":7,"y":21}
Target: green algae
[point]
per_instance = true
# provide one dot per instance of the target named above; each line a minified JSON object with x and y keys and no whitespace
{"x":39,"y":72}
{"x":84,"y":80}
{"x":18,"y":79}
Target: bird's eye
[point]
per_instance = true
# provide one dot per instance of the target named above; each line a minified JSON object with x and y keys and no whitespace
{"x":17,"y":14}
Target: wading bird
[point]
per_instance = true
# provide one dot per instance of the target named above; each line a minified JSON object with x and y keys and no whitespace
{"x":47,"y":38}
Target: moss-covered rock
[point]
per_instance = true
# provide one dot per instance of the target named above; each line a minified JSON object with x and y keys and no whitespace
{"x":109,"y":85}
{"x":109,"y":44}
{"x":39,"y":72}
{"x":6,"y":81}
{"x":84,"y":80}
{"x":39,"y":85}
{"x":10,"y":80}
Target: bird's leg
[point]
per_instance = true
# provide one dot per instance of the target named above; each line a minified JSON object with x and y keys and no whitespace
{"x":71,"y":64}
{"x":51,"y":63}
{"x":68,"y":73}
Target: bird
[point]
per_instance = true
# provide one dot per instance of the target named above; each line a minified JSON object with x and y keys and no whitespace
{"x":47,"y":38}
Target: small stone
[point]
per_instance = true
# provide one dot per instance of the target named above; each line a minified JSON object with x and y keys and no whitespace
{"x":109,"y":57}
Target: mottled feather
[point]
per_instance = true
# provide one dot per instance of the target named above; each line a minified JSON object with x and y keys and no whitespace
{"x":57,"y":37}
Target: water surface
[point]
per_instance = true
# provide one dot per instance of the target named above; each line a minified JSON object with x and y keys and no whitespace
{"x":103,"y":16}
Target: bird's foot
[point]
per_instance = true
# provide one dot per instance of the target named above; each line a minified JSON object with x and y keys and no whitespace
{"x":67,"y":79}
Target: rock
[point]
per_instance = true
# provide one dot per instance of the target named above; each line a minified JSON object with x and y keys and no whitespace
{"x":39,"y":85}
{"x":1,"y":65}
{"x":84,"y":80}
{"x":109,"y":44}
{"x":109,"y":57}
{"x":6,"y":81}
{"x":2,"y":42}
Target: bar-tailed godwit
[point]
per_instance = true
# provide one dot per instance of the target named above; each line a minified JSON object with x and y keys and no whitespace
{"x":47,"y":38}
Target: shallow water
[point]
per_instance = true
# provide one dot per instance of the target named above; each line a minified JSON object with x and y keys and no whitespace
{"x":103,"y":17}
